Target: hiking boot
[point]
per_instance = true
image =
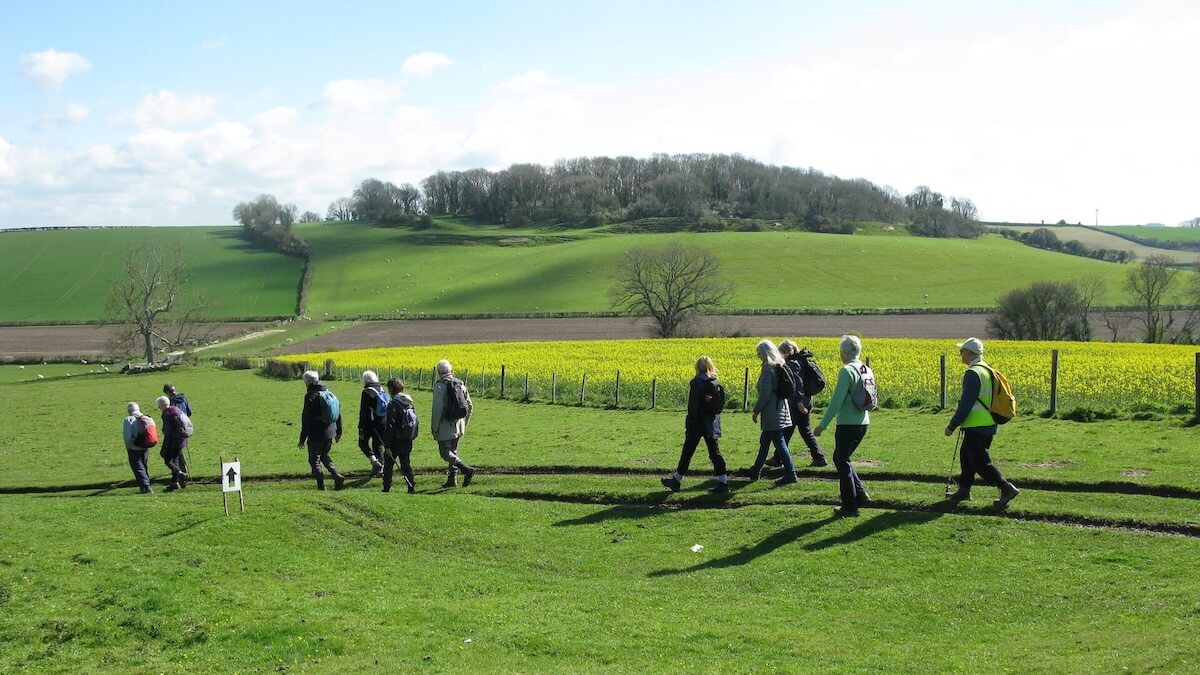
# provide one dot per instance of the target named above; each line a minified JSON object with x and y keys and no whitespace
{"x":450,"y":483}
{"x":412,"y":487}
{"x":786,"y":480}
{"x":1008,"y":494}
{"x":774,"y":462}
{"x":960,"y":496}
{"x":172,"y":487}
{"x":386,"y":488}
{"x":720,"y":489}
{"x":146,"y":491}
{"x":863,"y":500}
{"x":819,"y":460}
{"x":376,"y":469}
{"x":321,"y":485}
{"x":844,"y":512}
{"x":748,"y":473}
{"x":339,"y":482}
{"x":468,"y":475}
{"x":670,"y":483}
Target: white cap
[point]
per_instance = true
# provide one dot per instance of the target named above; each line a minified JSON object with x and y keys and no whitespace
{"x":971,"y":345}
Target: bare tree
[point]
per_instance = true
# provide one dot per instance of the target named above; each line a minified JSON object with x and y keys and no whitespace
{"x":1046,"y":310}
{"x":148,"y":306}
{"x":670,"y":285}
{"x":1148,"y":282}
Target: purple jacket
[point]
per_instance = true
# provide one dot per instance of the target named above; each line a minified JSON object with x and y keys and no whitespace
{"x":173,"y":439}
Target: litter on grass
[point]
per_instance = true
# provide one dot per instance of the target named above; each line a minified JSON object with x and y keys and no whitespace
{"x":696,"y":548}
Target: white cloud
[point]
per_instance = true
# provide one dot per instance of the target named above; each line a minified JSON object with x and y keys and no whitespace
{"x":359,"y":96}
{"x":51,"y":68}
{"x":8,"y":165}
{"x":71,"y":113}
{"x":169,"y":109}
{"x":424,"y":63}
{"x":276,"y":119}
{"x":525,"y":83}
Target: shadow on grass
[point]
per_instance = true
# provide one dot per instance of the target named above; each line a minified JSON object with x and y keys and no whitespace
{"x":651,"y":506}
{"x":768,"y":545}
{"x":884,"y":521}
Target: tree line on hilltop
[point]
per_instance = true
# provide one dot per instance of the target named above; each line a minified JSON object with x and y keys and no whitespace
{"x":709,"y":190}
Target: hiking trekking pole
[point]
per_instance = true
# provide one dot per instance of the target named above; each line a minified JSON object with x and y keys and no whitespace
{"x":951,"y":484}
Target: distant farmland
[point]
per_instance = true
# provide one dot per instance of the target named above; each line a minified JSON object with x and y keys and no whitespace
{"x":1180,"y":234}
{"x":64,"y":275}
{"x":1096,"y":240}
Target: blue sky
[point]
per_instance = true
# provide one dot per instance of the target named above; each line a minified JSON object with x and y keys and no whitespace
{"x":170,"y":113}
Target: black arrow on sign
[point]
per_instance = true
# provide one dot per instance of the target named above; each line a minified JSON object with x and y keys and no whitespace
{"x":230,"y":475}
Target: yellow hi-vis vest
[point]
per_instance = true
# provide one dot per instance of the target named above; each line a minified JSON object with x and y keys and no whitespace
{"x":980,"y":416}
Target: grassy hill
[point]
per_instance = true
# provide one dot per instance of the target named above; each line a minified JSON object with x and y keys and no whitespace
{"x":1180,"y":234}
{"x":364,"y":270}
{"x":1096,"y":240}
{"x":63,"y":275}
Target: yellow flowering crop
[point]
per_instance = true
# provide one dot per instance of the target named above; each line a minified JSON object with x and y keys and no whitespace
{"x":1119,"y":375}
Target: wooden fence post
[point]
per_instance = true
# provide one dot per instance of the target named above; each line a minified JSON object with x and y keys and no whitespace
{"x":526,"y":386}
{"x":503,"y":376}
{"x":582,"y":388}
{"x":746,"y":391}
{"x":1196,"y":410}
{"x":553,"y":387}
{"x":617,"y":391}
{"x":1053,"y":381}
{"x":654,"y":388}
{"x":942,"y":391}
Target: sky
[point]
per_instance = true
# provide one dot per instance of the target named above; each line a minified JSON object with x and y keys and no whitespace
{"x":165,"y":113}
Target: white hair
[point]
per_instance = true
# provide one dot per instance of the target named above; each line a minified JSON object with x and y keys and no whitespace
{"x":311,"y":377}
{"x":851,"y":346}
{"x":369,"y":377}
{"x":162,"y":402}
{"x":769,"y":353}
{"x":444,"y":367}
{"x":132,"y":408}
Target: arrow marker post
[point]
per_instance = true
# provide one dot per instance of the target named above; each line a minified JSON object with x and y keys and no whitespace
{"x":231,"y":481}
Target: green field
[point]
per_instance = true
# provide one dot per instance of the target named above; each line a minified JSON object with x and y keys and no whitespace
{"x":64,"y":275}
{"x":1182,"y":234}
{"x":363,"y":270}
{"x":566,"y":555}
{"x":1098,"y":240}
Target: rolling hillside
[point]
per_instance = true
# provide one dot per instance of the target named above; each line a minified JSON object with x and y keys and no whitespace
{"x":1096,"y":240}
{"x":363,"y":270}
{"x":63,"y":275}
{"x":1179,"y":234}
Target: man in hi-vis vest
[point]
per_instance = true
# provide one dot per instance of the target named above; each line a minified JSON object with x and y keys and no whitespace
{"x":978,"y":426}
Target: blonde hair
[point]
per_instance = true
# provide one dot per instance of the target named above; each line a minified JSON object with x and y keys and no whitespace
{"x":787,"y":348}
{"x":704,"y":366}
{"x":769,"y":353}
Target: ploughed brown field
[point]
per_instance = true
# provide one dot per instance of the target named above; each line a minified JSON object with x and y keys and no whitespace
{"x":56,"y":342}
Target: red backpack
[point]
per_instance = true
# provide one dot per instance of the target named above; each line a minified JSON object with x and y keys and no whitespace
{"x":148,"y":436}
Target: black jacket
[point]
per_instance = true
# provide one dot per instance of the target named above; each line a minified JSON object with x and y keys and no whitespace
{"x":310,"y":426}
{"x":367,"y":421}
{"x":699,"y":419}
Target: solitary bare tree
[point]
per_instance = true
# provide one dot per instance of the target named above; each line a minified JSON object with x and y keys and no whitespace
{"x":670,"y":285}
{"x":1148,"y":282}
{"x":147,"y":305}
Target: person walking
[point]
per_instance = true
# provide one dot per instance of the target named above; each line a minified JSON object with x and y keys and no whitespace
{"x":174,"y":442}
{"x":137,"y":429}
{"x":179,"y":400}
{"x":851,"y":428}
{"x":800,"y":407}
{"x":320,"y":427}
{"x":771,"y":412}
{"x":978,"y":426}
{"x":706,"y":398}
{"x":399,"y":433}
{"x":372,"y":421}
{"x":451,"y":413}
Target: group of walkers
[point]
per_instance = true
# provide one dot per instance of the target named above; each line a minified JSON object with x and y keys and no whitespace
{"x":787,"y":381}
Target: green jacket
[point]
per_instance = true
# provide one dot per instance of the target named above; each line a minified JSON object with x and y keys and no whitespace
{"x":841,"y":404}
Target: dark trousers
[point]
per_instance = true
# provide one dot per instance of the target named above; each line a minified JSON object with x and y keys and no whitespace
{"x":803,"y":422}
{"x":402,"y":451}
{"x":449,"y":452}
{"x":318,"y":454}
{"x":371,"y":446}
{"x":691,"y":441}
{"x":846,"y":438}
{"x":974,"y":458}
{"x":137,"y":462}
{"x":765,"y":439}
{"x":176,"y":464}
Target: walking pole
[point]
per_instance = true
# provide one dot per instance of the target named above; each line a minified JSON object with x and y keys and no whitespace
{"x":951,"y":484}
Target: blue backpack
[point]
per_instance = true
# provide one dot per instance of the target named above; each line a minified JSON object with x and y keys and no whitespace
{"x":381,"y":403}
{"x":329,"y":409}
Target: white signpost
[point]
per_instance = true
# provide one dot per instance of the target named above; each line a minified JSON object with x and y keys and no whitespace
{"x":231,"y":481}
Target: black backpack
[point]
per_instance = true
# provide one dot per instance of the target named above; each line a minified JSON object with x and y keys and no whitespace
{"x":456,"y":400}
{"x":714,"y":402}
{"x":810,"y":372}
{"x":785,"y":389}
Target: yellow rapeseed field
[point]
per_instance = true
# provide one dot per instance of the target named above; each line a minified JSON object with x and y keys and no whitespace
{"x":1127,"y":376}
